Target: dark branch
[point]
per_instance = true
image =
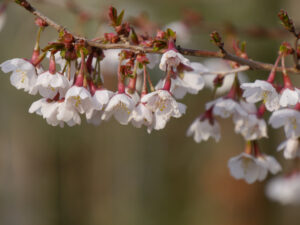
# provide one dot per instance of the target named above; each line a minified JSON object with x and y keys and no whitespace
{"x":254,"y":65}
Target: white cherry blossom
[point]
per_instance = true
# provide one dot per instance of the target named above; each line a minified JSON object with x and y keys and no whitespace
{"x":101,"y":99}
{"x":250,"y":127}
{"x":186,"y":82}
{"x":23,"y":74}
{"x":226,"y":107}
{"x":49,"y":85}
{"x":164,"y":106}
{"x":68,"y":114}
{"x":289,"y":97}
{"x":290,"y":147}
{"x":284,"y":189}
{"x":261,"y":91}
{"x":287,"y":118}
{"x":141,"y":115}
{"x":80,"y":98}
{"x":120,"y":106}
{"x":251,"y":168}
{"x":203,"y":129}
{"x":173,"y":59}
{"x":55,"y":112}
{"x":48,"y":110}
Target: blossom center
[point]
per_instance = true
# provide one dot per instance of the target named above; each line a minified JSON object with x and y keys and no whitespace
{"x":293,"y":122}
{"x":23,"y":75}
{"x":77,"y":100}
{"x":161,"y":104}
{"x":265,"y":95}
{"x":123,"y":107}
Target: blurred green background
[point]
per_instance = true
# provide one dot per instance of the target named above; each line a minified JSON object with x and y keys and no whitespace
{"x":120,"y":175}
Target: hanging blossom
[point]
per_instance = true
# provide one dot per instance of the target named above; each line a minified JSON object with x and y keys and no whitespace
{"x":251,"y":126}
{"x":261,"y":91}
{"x":252,"y":165}
{"x":24,"y":74}
{"x":186,"y":80}
{"x":289,"y":119}
{"x":285,"y":189}
{"x":161,"y":102}
{"x":290,"y":147}
{"x":289,"y":95}
{"x":172,"y":58}
{"x":266,"y":91}
{"x":204,"y":127}
{"x":50,"y":83}
{"x":164,"y":106}
{"x":78,"y":97}
{"x":100,"y":97}
{"x":56,"y":112}
{"x":121,"y":104}
{"x":142,"y":115}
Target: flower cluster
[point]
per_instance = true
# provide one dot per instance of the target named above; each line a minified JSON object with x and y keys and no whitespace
{"x":73,"y":86}
{"x":77,"y":87}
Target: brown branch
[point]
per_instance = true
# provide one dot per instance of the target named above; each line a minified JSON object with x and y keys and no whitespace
{"x":254,"y":65}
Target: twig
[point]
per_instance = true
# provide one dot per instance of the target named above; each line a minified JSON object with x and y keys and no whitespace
{"x":224,"y":73}
{"x":254,"y":65}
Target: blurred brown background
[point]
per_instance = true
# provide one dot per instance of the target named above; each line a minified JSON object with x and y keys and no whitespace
{"x":119,"y":175}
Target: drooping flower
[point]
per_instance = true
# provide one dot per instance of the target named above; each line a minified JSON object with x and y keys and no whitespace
{"x":23,"y":75}
{"x":202,"y":130}
{"x":80,"y":98}
{"x":186,"y":81}
{"x":172,"y":58}
{"x":287,"y":118}
{"x":261,"y":91}
{"x":49,"y":85}
{"x":285,"y":189}
{"x":46,"y":109}
{"x":164,"y":106}
{"x":55,"y":112}
{"x":120,"y":106}
{"x":252,"y":168}
{"x":141,"y":115}
{"x":68,"y":114}
{"x":289,"y":97}
{"x":225,"y":107}
{"x":101,"y":98}
{"x":251,"y":125}
{"x":290,"y":147}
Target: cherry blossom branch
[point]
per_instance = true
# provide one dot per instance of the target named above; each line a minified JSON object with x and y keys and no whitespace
{"x":254,"y":65}
{"x":224,"y":73}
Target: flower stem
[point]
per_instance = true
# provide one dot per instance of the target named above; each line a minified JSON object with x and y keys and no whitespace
{"x":272,"y":74}
{"x":121,"y":85}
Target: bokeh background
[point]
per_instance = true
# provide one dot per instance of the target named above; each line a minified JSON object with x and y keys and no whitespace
{"x":120,"y":175}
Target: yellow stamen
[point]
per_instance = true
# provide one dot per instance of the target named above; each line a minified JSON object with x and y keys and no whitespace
{"x":77,"y":99}
{"x":23,"y":75}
